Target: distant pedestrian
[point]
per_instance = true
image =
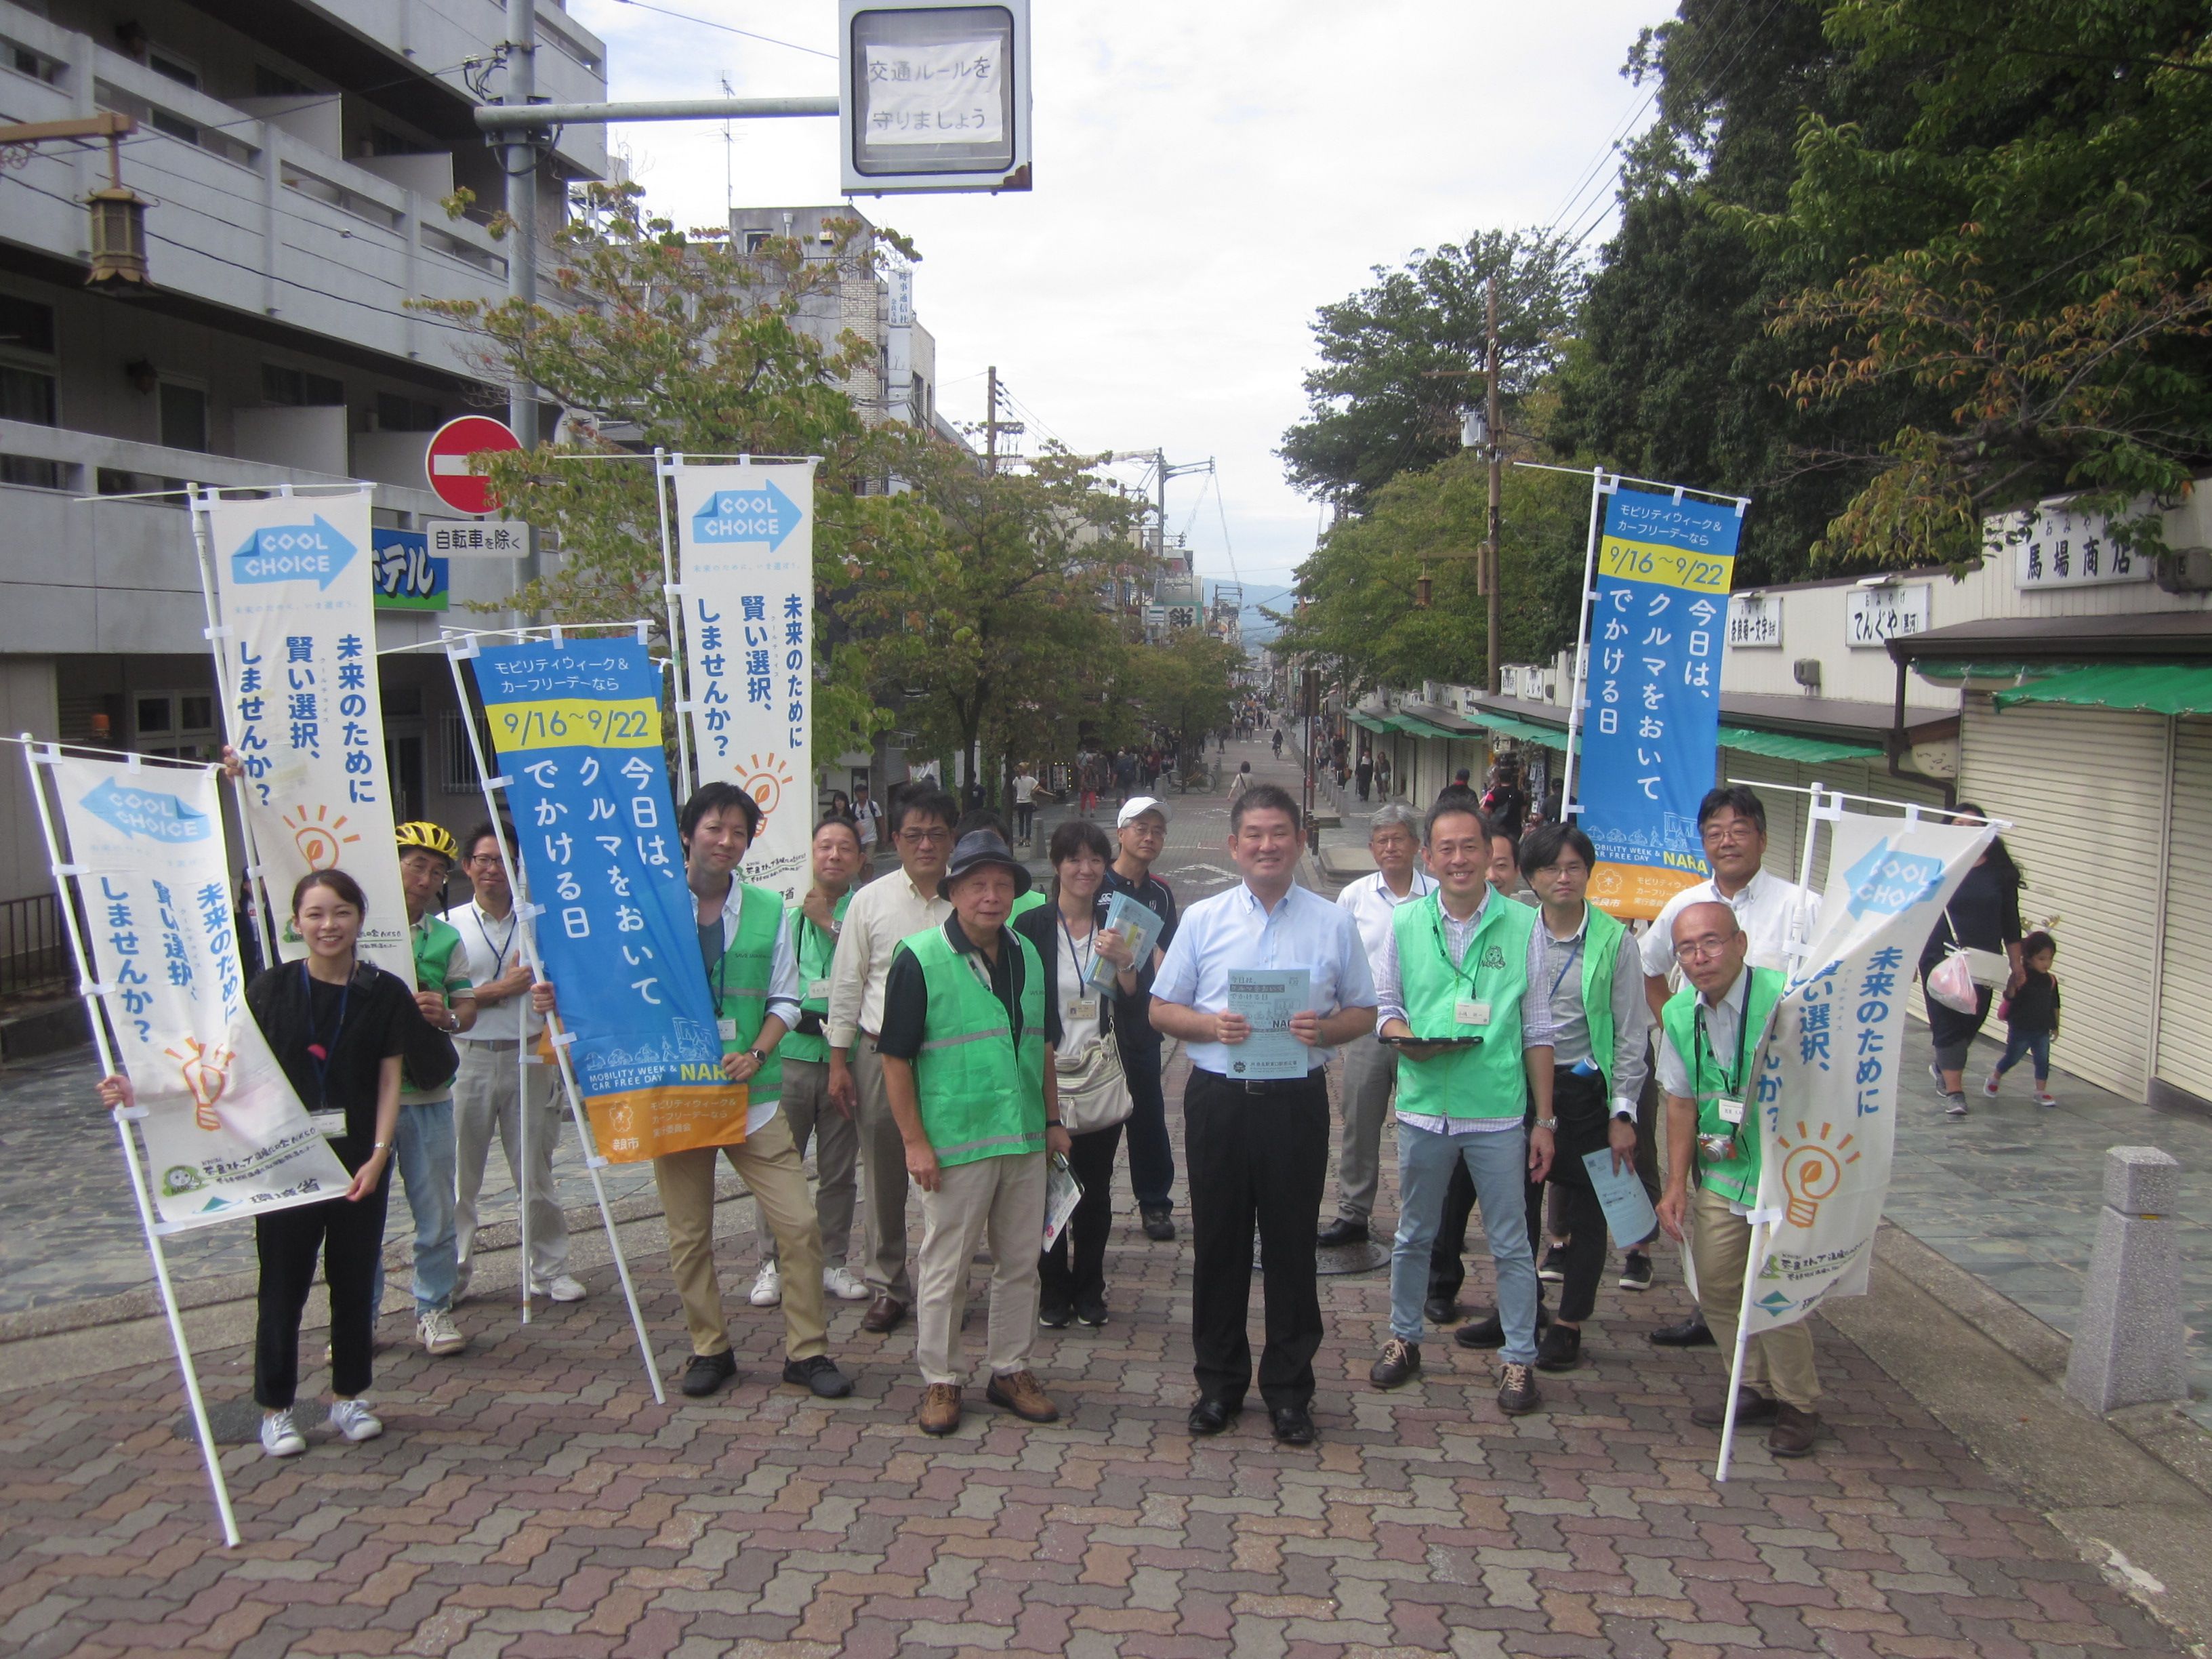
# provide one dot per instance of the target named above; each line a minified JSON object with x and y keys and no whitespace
{"x":839,"y":807}
{"x":868,"y":819}
{"x":1506,"y":805}
{"x":1025,"y":788}
{"x":2031,"y":1017}
{"x":1983,"y":919}
{"x":1278,"y":742}
{"x":1125,"y":775}
{"x":1239,"y":784}
{"x":1364,"y":772}
{"x":1382,"y":774}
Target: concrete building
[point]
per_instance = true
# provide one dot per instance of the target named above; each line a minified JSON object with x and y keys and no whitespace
{"x":2063,"y":685}
{"x":298,"y":154}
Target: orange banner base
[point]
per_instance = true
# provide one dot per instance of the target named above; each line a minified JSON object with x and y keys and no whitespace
{"x":1638,"y":893}
{"x":643,"y":1123}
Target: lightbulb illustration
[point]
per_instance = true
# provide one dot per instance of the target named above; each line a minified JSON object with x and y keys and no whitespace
{"x":765,"y":780}
{"x":1812,"y":1170}
{"x":206,"y":1073}
{"x":319,"y":838}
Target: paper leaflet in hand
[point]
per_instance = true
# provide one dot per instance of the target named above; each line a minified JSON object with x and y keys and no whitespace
{"x":1137,"y":923}
{"x":1062,"y":1193}
{"x":1628,"y":1213}
{"x":1267,"y":997}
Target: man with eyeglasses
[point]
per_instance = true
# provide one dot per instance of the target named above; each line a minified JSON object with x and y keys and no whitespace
{"x":1774,"y":915}
{"x":1142,"y":830}
{"x":890,"y":909}
{"x":1710,"y":1030}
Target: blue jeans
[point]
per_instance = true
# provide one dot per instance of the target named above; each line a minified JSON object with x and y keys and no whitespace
{"x":2020,"y":1043}
{"x":423,"y":1150}
{"x":1497,"y":1161}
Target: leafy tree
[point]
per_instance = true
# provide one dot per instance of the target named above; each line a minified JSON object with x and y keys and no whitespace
{"x":1394,"y":381}
{"x":1188,"y":686}
{"x":1358,"y":612}
{"x":2032,"y":256}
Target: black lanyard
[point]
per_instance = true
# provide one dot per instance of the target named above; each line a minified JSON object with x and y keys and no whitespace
{"x":319,"y":1052}
{"x":1082,"y":967}
{"x":1444,"y":950}
{"x":1699,"y":1047}
{"x":498,"y":951}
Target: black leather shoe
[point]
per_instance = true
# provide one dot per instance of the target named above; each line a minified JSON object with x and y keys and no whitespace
{"x":1342,"y":1231}
{"x":820,"y":1374}
{"x":1692,"y":1332}
{"x":1293,"y":1426}
{"x":1213,"y":1416}
{"x":707,"y":1372}
{"x":1560,"y":1349}
{"x":1488,"y":1332}
{"x":1159,"y":1223}
{"x":1400,"y":1363}
{"x":1751,"y":1407}
{"x":1441,"y":1310}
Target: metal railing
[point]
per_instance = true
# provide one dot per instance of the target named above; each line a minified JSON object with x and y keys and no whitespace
{"x":33,"y":954}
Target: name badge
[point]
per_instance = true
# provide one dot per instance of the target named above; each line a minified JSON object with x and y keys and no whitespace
{"x":817,"y":990}
{"x":1082,"y":1008}
{"x":1731,"y":1111}
{"x":1468,"y":1012}
{"x":727,"y":1029}
{"x":331,"y":1124}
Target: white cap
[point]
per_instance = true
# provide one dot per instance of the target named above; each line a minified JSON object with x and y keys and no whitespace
{"x":1137,"y":806}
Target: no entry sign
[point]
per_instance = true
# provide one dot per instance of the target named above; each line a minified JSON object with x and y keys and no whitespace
{"x":447,"y":461}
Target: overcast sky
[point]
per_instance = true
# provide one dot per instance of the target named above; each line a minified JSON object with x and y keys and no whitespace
{"x":1208,"y":172}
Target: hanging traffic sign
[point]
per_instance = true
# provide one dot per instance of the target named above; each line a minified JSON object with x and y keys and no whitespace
{"x":445,"y":462}
{"x":477,"y":538}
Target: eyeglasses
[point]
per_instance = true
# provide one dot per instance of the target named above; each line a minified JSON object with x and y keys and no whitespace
{"x":1708,"y":944}
{"x":925,"y":837}
{"x":486,"y":858}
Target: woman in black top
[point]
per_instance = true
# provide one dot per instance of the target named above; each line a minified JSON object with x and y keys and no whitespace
{"x":338,"y":1026}
{"x":1983,"y":914}
{"x":1072,"y":1274}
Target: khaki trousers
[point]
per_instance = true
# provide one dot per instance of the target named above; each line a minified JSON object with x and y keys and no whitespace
{"x":1778,"y":1362}
{"x":1000,"y":1200}
{"x":806,"y":1109}
{"x":487,"y":1094}
{"x":1371,"y":1074}
{"x":883,"y":1178}
{"x":768,"y":1162}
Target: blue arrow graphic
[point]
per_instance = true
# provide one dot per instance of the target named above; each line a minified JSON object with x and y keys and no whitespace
{"x":766,"y":514}
{"x":147,"y":812}
{"x":1887,"y":882}
{"x":293,"y":552}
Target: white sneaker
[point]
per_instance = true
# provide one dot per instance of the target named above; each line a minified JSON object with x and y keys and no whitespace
{"x":1989,"y":1085}
{"x":280,"y":1438}
{"x":562,"y":1288}
{"x":768,"y":1287}
{"x":353,"y":1419}
{"x":438,"y":1334}
{"x":840,"y":1282}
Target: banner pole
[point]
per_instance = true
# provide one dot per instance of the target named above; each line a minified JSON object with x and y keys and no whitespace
{"x":138,"y":1189}
{"x":1579,"y":674}
{"x":1735,"y":1366}
{"x":524,"y":911}
{"x":521,"y":1124}
{"x":664,"y":472}
{"x":204,"y":553}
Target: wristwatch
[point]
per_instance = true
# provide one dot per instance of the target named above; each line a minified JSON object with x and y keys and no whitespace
{"x":1548,"y":1125}
{"x":759,"y":1059}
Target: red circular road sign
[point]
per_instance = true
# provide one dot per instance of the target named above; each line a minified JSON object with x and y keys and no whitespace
{"x":447,"y":461}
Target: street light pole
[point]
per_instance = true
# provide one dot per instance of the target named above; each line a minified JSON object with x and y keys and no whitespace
{"x":1497,"y":459}
{"x":518,"y":161}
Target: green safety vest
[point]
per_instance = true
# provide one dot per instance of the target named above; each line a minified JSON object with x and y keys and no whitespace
{"x":1487,"y":1080}
{"x":1029,"y":900}
{"x":981,"y":1086}
{"x":440,"y":965}
{"x":1735,"y":1179}
{"x":739,"y":985}
{"x":1601,"y":938}
{"x":815,"y":950}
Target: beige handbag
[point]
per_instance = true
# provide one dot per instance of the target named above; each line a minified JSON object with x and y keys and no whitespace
{"x":1093,"y":1092}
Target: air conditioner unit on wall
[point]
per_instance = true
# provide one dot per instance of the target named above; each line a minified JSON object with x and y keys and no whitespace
{"x":1806,"y":671}
{"x":2185,"y":570}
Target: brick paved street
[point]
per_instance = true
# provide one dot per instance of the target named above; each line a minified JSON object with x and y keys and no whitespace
{"x":530,"y":1499}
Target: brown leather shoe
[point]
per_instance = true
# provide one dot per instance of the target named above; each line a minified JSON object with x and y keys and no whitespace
{"x":1751,"y":1407}
{"x":883,"y":1314}
{"x":1794,"y":1432}
{"x":941,"y":1408}
{"x":1018,"y":1393}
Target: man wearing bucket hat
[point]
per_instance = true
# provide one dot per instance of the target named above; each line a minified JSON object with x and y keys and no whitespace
{"x":966,"y":1042}
{"x":1141,"y":828}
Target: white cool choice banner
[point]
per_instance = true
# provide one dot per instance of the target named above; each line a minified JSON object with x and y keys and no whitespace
{"x":297,"y":596}
{"x":1827,"y":1072}
{"x":747,"y":584}
{"x":224,"y":1130}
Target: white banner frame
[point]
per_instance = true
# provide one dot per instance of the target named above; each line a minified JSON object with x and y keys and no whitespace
{"x":139,"y":1189}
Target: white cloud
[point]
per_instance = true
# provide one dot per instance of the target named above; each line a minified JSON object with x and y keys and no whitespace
{"x":1207,"y":174}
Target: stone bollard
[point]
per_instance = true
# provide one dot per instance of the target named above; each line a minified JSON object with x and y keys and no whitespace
{"x":2127,"y":1342}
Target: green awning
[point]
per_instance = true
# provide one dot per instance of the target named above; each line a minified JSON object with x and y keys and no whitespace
{"x":1783,"y":745}
{"x":1378,"y":724}
{"x":2153,"y":687}
{"x":1526,"y":731}
{"x":1414,"y":726}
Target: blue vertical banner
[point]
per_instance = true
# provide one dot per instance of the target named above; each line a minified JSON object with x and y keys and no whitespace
{"x":1650,"y":733}
{"x":577,"y":726}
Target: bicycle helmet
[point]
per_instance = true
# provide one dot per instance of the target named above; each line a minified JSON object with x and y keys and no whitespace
{"x":432,"y":838}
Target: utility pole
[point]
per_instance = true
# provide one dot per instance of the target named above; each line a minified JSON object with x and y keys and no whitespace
{"x":991,"y":422}
{"x":1496,"y":468}
{"x":518,"y":160}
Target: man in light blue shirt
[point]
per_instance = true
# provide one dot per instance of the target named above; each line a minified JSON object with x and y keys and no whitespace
{"x":1257,"y":1149}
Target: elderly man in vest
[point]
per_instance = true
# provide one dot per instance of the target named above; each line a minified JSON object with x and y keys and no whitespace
{"x":1713,"y":1027}
{"x":969,"y":1032}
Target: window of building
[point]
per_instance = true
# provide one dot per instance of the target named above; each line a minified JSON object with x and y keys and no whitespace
{"x":184,"y":416}
{"x":275,"y":83}
{"x":26,"y":326}
{"x":757,"y":240}
{"x":177,"y":725}
{"x":25,"y":395}
{"x":299,"y":387}
{"x":25,"y":60}
{"x":397,"y":412}
{"x":166,"y":63}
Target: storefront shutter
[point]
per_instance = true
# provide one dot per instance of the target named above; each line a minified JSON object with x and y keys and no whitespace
{"x":2184,"y":1015}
